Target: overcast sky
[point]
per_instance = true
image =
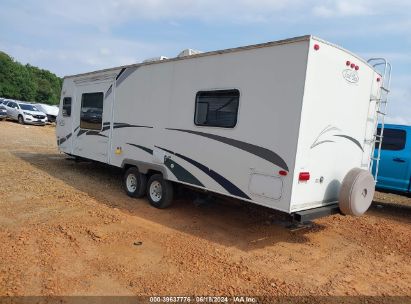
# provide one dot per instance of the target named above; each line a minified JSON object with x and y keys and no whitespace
{"x":74,"y":36}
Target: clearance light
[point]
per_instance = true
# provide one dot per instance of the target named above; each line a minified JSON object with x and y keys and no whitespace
{"x":352,"y":65}
{"x":316,"y":47}
{"x":357,"y":67}
{"x":348,"y":63}
{"x":304,"y":176}
{"x":378,"y":79}
{"x":282,"y":172}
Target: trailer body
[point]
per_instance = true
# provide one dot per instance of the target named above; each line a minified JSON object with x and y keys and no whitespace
{"x":277,"y":124}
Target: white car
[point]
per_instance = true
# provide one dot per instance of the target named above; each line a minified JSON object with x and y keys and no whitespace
{"x":25,"y":113}
{"x":49,"y":110}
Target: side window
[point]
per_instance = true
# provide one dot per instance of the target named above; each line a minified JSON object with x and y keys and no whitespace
{"x":393,"y":139}
{"x":91,"y":115}
{"x":217,"y":108}
{"x":66,"y":106}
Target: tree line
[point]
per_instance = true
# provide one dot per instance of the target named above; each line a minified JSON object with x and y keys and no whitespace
{"x":27,"y":82}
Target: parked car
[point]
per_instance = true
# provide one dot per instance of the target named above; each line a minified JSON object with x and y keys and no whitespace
{"x":50,"y":111}
{"x":394,"y":171}
{"x":25,"y":113}
{"x":3,"y":112}
{"x":92,"y":115}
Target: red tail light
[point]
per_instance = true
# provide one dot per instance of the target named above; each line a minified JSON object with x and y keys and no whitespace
{"x":282,"y":172}
{"x":316,"y":47}
{"x":304,"y":176}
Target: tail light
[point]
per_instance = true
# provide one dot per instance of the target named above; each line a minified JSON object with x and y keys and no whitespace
{"x":304,"y":176}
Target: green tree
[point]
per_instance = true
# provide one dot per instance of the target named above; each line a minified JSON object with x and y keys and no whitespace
{"x":27,"y":82}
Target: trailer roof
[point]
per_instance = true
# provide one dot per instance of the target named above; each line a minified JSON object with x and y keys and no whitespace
{"x":224,"y":51}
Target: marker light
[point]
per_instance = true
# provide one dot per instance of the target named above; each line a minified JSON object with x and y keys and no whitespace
{"x":378,"y":79}
{"x":304,"y":176}
{"x":316,"y":47}
{"x":352,"y":65}
{"x":348,"y":63}
{"x":357,"y":67}
{"x":282,"y":172}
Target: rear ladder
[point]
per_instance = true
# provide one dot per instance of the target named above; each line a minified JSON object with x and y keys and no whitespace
{"x":381,"y":109}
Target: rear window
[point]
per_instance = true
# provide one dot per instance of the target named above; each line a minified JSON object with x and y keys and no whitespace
{"x":393,"y":139}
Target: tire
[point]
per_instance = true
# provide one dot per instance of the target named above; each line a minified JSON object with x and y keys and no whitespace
{"x":356,"y":192}
{"x":134,"y":182}
{"x":20,"y":120}
{"x":159,"y":192}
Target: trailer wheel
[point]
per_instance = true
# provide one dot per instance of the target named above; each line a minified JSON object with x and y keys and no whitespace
{"x":135,"y":182}
{"x":357,"y":192}
{"x":159,"y":191}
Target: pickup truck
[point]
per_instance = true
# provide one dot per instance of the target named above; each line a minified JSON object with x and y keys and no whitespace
{"x":394,"y":171}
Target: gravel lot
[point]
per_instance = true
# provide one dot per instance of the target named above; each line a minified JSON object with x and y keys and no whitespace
{"x":68,"y":228}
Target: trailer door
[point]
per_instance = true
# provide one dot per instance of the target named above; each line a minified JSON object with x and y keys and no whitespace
{"x":64,"y":126}
{"x":93,"y":119}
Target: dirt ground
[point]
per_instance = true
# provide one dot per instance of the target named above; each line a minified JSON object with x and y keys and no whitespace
{"x":68,"y":228}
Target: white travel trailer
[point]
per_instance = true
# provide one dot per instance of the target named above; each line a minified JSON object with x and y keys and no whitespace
{"x":288,"y":124}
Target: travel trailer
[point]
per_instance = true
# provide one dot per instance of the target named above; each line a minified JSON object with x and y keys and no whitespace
{"x":290,"y":125}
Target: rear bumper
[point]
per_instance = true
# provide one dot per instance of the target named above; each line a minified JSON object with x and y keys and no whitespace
{"x":311,"y":214}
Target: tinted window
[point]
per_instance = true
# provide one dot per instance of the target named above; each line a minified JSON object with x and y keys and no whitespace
{"x":28,"y":107}
{"x":91,"y":115}
{"x":66,"y":106}
{"x":393,"y":139}
{"x":217,"y":108}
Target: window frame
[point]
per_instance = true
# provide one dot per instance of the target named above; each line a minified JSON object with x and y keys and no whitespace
{"x":208,"y":106}
{"x":81,"y":106}
{"x":402,"y":131}
{"x":71,"y":106}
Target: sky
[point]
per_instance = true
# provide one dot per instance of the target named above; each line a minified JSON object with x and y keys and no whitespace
{"x":74,"y":36}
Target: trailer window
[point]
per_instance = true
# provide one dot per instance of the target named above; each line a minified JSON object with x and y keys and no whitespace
{"x":66,"y":106}
{"x":393,"y":139}
{"x":91,"y":115}
{"x":217,"y":108}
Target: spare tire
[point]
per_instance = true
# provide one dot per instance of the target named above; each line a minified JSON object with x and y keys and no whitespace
{"x":356,"y":192}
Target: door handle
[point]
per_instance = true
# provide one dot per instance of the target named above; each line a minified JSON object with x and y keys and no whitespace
{"x":399,"y":160}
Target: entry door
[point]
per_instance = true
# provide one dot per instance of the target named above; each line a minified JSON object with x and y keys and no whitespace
{"x":394,"y":165}
{"x":94,"y":100}
{"x":64,"y":123}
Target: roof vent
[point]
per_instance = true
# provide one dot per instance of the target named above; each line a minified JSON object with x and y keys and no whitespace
{"x":188,"y":52}
{"x":155,"y":59}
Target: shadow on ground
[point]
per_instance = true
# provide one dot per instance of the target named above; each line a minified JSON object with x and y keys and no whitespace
{"x":227,"y":222}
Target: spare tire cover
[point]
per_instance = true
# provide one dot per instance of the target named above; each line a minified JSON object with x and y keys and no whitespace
{"x":356,"y":192}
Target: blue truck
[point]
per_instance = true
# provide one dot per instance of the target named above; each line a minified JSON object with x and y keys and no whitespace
{"x":394,"y":171}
